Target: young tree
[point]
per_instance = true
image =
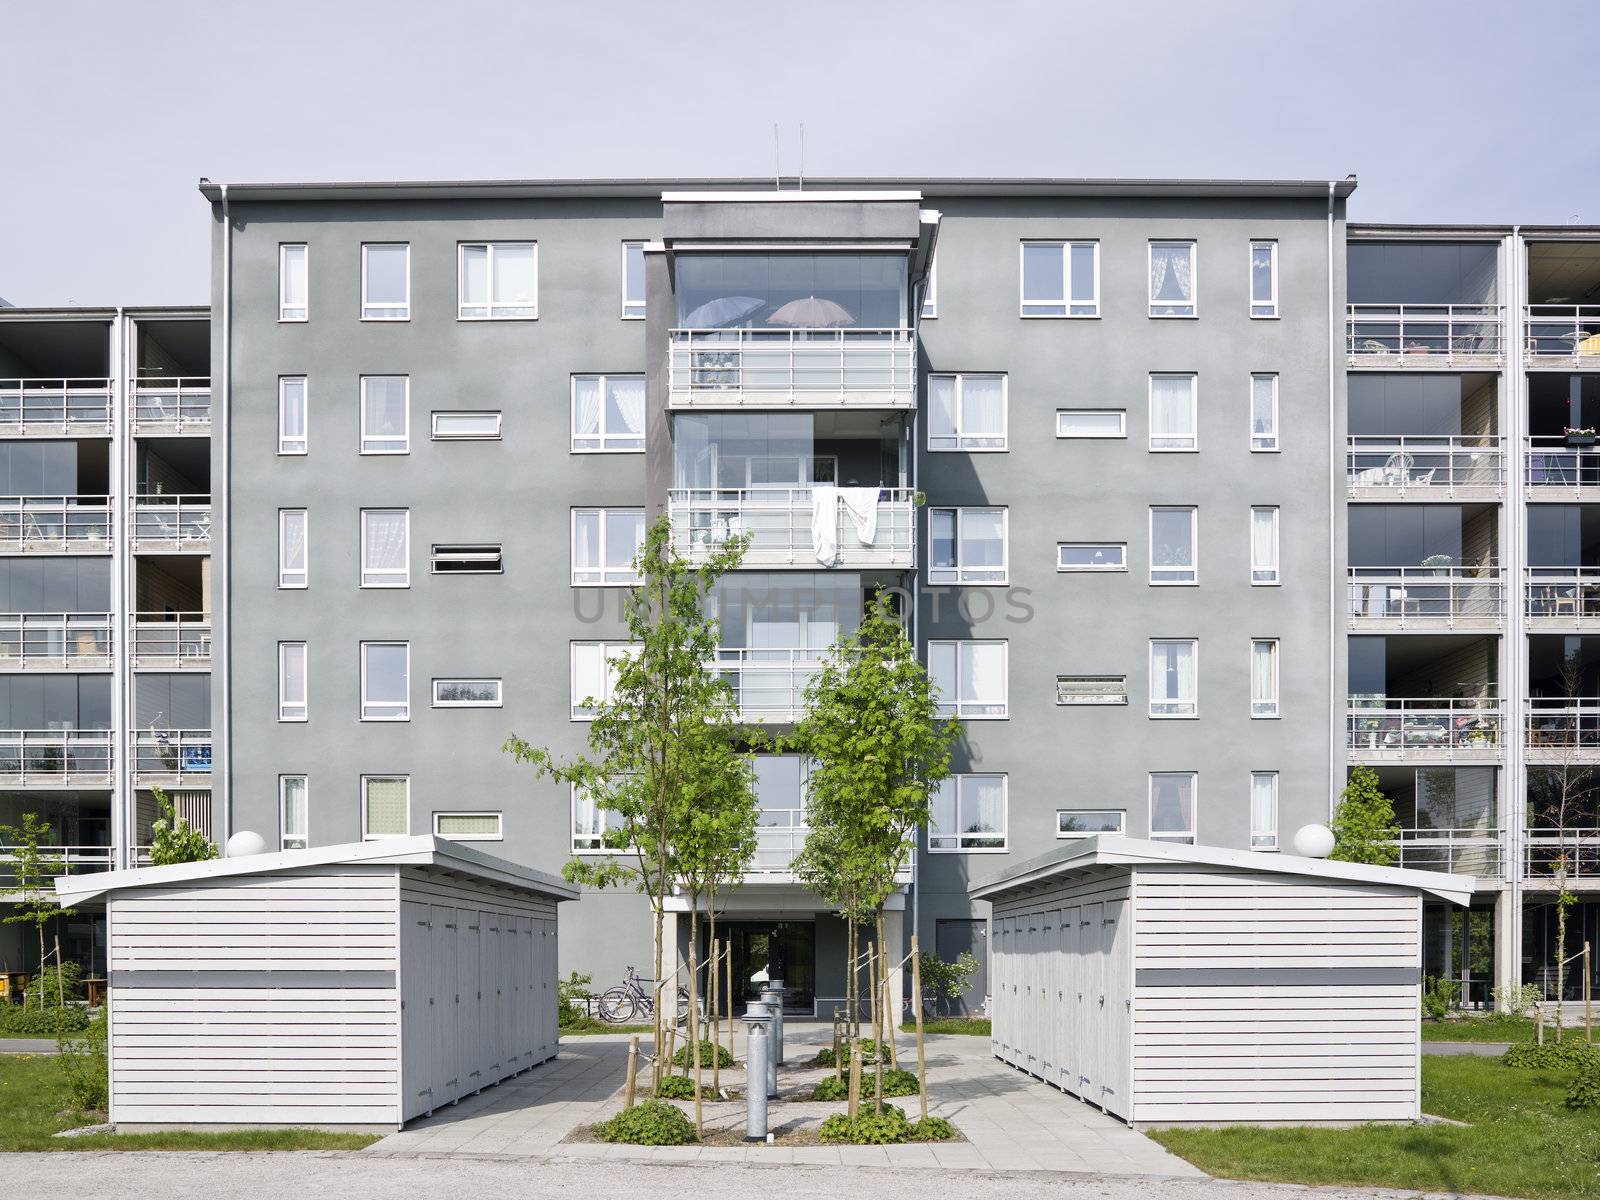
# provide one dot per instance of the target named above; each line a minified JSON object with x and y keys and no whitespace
{"x":1364,"y":826}
{"x":173,"y":839}
{"x":32,"y":891}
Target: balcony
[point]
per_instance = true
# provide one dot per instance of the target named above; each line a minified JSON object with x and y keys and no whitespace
{"x":172,"y":758}
{"x":1548,"y":852}
{"x":172,"y":523}
{"x":55,"y":641}
{"x":76,"y":860}
{"x":55,"y":408}
{"x":1423,"y":598}
{"x":172,"y":406}
{"x":792,"y":368}
{"x":1562,"y":335}
{"x":1556,"y":469}
{"x":769,"y":685}
{"x":1424,"y":337}
{"x":780,"y":523}
{"x":1386,"y":729}
{"x":172,"y":641}
{"x":1425,"y":467}
{"x":1563,"y":730}
{"x":55,"y":758}
{"x":780,"y":836}
{"x":1456,"y":851}
{"x":1562,"y":598}
{"x":55,"y":524}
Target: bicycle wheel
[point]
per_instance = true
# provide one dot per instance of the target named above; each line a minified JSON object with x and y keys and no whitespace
{"x":683,"y":1006}
{"x":616,"y":1005}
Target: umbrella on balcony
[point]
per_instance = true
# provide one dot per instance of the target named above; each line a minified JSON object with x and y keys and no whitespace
{"x":812,"y":313}
{"x":724,"y":310}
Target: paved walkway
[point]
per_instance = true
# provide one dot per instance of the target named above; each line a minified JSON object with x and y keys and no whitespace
{"x":27,"y":1045}
{"x":1012,"y":1122}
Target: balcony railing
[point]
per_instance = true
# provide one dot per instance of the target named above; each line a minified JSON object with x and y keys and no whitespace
{"x":1425,"y":597}
{"x":1563,"y":727}
{"x":769,"y":685}
{"x":1388,"y":728}
{"x":1562,"y":334}
{"x":1430,"y":466}
{"x":1548,"y":852}
{"x":1424,"y":336}
{"x":1555,"y":462}
{"x":780,"y":836}
{"x":172,"y":640}
{"x":55,"y":641}
{"x":55,"y":524}
{"x":798,"y":368}
{"x":54,"y":407}
{"x":780,"y":523}
{"x":55,"y":757}
{"x":172,"y":522}
{"x":1562,"y":596}
{"x":178,"y":405}
{"x":1456,"y":851}
{"x":172,"y":756}
{"x":73,"y":860}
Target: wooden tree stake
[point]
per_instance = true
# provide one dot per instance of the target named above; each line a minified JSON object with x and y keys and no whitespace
{"x":1588,"y":1013}
{"x":916,"y":1008}
{"x":855,"y":1079}
{"x":838,"y":1050}
{"x":633,"y":1072}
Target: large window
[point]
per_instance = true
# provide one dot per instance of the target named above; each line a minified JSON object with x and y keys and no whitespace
{"x":385,"y":806}
{"x":1263,"y":279}
{"x":499,"y":281}
{"x":1077,"y":823}
{"x":607,"y":413}
{"x":294,"y":812}
{"x":1174,"y":677}
{"x":970,"y":678}
{"x":385,"y":681}
{"x":604,"y":543}
{"x":385,"y":414}
{"x":293,"y":302}
{"x":966,"y":412}
{"x":968,"y":545}
{"x":1264,"y":545}
{"x":1263,"y":412}
{"x":1264,"y":677}
{"x":1061,"y":279}
{"x":385,"y":547}
{"x":968,"y":812}
{"x":589,"y":823}
{"x":1263,"y":810}
{"x":594,"y":675}
{"x":292,"y":435}
{"x":1174,"y":412}
{"x":633,"y":281}
{"x":1172,"y":806}
{"x":293,"y":555}
{"x":791,"y":291}
{"x":385,"y":281}
{"x":292,"y":690}
{"x":1173,"y":540}
{"x":1172,"y":279}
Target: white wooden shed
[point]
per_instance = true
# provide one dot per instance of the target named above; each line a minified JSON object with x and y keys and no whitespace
{"x":1171,"y":984}
{"x":342,"y":986}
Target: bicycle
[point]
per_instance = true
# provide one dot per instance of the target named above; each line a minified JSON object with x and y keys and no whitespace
{"x":634,"y":997}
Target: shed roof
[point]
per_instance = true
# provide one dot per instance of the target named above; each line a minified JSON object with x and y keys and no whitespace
{"x":1103,"y":850}
{"x":423,"y":850}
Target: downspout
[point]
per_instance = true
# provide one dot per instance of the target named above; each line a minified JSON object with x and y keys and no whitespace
{"x":221,"y":498}
{"x":1336,"y":703}
{"x":123,"y":829}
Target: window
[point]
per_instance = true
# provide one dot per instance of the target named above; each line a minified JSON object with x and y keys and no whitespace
{"x":385,"y":681}
{"x":466,"y":426}
{"x":1174,"y":412}
{"x":1172,"y":279}
{"x":292,"y":438}
{"x":1264,"y":546}
{"x":294,"y":812}
{"x":968,"y":545}
{"x":385,"y":806}
{"x":604,"y":542}
{"x":1263,"y":412}
{"x":385,"y":414}
{"x":499,"y":281}
{"x":1264,"y":677}
{"x":385,"y":547}
{"x":466,"y":693}
{"x":293,"y":524}
{"x":970,"y":677}
{"x":589,"y":823}
{"x":1061,"y":279}
{"x":291,"y":681}
{"x":1091,"y":556}
{"x":1263,"y":279}
{"x":930,"y":292}
{"x":1263,"y":810}
{"x":1172,"y":806}
{"x":1091,"y":423}
{"x":484,"y":559}
{"x":633,"y":281}
{"x":385,"y":281}
{"x":608,"y":413}
{"x":1077,"y":823}
{"x":1174,"y":686}
{"x":594,"y":674}
{"x":1173,"y":534}
{"x":968,"y":812}
{"x":292,"y":293}
{"x":966,"y":412}
{"x":467,"y":826}
{"x":1091,"y":689}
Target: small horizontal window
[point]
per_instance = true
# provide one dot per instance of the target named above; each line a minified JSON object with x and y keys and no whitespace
{"x":465,"y":426}
{"x":467,"y":560}
{"x":1091,"y":423}
{"x":1075,"y":823}
{"x":1091,"y":689}
{"x":468,"y":827}
{"x":1091,"y":556}
{"x":466,"y":693}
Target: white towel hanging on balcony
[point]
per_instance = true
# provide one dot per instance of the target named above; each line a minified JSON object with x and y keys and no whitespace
{"x":862,"y":504}
{"x":825,"y":523}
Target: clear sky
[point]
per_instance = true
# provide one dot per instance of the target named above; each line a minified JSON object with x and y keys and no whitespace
{"x":1447,"y":110}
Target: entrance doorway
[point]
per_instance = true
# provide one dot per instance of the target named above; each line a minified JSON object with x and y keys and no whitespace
{"x":786,"y":947}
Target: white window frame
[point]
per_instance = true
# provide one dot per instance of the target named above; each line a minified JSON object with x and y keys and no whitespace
{"x":930,"y":294}
{"x":1193,"y":439}
{"x":1063,"y":413}
{"x":385,"y":710}
{"x":1271,"y":304}
{"x":384,"y":577}
{"x":366,"y":834}
{"x":467,"y":552}
{"x":289,"y":314}
{"x":1173,"y":578}
{"x":290,"y":709}
{"x":386,"y":443}
{"x":1104,"y":699}
{"x":286,"y":443}
{"x":497,"y":836}
{"x":1074,"y":835}
{"x":1067,"y":303}
{"x":1264,"y":443}
{"x":964,"y":708}
{"x":387,"y":310}
{"x":433,"y":425}
{"x":965,"y":442}
{"x":1263,"y":574}
{"x":608,"y":651}
{"x":1264,"y":837}
{"x":1192,"y":835}
{"x":491,"y":250}
{"x":287,"y":840}
{"x":289,"y":577}
{"x":572,"y":826}
{"x":497,"y":702}
{"x":628,"y":303}
{"x":1120,"y":566}
{"x":1269,"y":707}
{"x":604,"y":436}
{"x":632,"y":577}
{"x":1194,"y":280}
{"x":1178,"y":705}
{"x":964,"y":575}
{"x":957,"y":781}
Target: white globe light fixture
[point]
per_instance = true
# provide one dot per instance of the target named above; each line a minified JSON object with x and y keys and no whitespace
{"x":246,"y":841}
{"x":1313,"y":841}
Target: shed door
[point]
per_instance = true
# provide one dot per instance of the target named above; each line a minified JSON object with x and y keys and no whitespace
{"x":1064,"y":1004}
{"x":415,"y":996}
{"x":1091,"y":993}
{"x":445,"y":1062}
{"x":467,"y":1001}
{"x":1044,"y":1004}
{"x":1030,"y":995}
{"x":546,"y":967}
{"x":1014,"y":1033}
{"x":1116,"y":959}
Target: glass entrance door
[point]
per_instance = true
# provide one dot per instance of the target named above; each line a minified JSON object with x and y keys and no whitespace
{"x":789,"y":947}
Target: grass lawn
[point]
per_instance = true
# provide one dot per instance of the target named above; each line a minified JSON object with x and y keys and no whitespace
{"x":1522,"y":1140}
{"x":1492,"y":1027}
{"x":584,"y":1026}
{"x":975,"y":1026}
{"x":33,"y":1105}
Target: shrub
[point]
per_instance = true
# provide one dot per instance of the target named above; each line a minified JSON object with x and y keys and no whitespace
{"x":709,"y":1052}
{"x":870,"y":1128}
{"x":895,"y":1083}
{"x":16,"y":1021}
{"x":869,"y":1054}
{"x":932,"y":1129}
{"x":572,"y":993}
{"x":173,"y":839}
{"x":831,"y":1089}
{"x":83,"y":1062}
{"x":1439,"y":996}
{"x":1519,"y":998}
{"x":1552,"y":1056}
{"x":681,"y":1087}
{"x":653,"y":1123}
{"x":1585,"y":1089}
{"x":49,"y":984}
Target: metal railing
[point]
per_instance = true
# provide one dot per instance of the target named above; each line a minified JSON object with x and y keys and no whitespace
{"x":176,"y":756}
{"x":780,"y":836}
{"x":55,"y":757}
{"x":1425,"y":596}
{"x":172,"y":640}
{"x":52,"y":407}
{"x":73,"y":860}
{"x":1424,"y":335}
{"x":779,"y":520}
{"x":1562,"y":593}
{"x":864,"y":368}
{"x":1400,"y":728}
{"x":1563,"y":723}
{"x":769,"y":684}
{"x":1558,"y":462}
{"x":1546,"y":852}
{"x":1561,"y":331}
{"x":165,"y":521}
{"x":55,"y":523}
{"x":1457,"y":851}
{"x":177,"y":405}
{"x":1426,"y":463}
{"x":54,"y":641}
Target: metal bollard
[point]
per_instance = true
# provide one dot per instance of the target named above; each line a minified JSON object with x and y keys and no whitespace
{"x":755,"y":1098}
{"x":772,"y":997}
{"x":760,"y":1011}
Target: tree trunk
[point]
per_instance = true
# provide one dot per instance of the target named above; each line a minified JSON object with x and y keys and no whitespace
{"x":711,"y":990}
{"x":660,"y":1006}
{"x":694,"y":996}
{"x":1561,"y":941}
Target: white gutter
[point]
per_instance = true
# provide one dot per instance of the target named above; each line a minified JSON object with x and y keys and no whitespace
{"x":222,"y":499}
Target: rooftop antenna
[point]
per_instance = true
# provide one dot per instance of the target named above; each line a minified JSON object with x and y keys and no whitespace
{"x":777,"y":168}
{"x":802,"y":184}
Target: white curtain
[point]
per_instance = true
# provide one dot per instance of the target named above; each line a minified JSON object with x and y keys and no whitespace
{"x":1172,"y":679}
{"x":985,"y":674}
{"x":294,"y":810}
{"x":1170,"y":274}
{"x":983,"y":412}
{"x":942,"y":814}
{"x":1263,"y":805}
{"x":386,"y":807}
{"x":514,"y":275}
{"x":294,"y":541}
{"x":942,"y":406}
{"x":983,"y":538}
{"x":1261,"y":414}
{"x":1263,"y":543}
{"x":294,"y":673}
{"x":586,"y":540}
{"x":474,"y":275}
{"x":1171,"y":537}
{"x":386,"y":541}
{"x":294,"y":409}
{"x":942,"y":668}
{"x":983,"y":805}
{"x":627,"y":401}
{"x":588,"y":674}
{"x":1263,"y":676}
{"x":586,"y":406}
{"x":1171,"y":803}
{"x":1172,"y":410}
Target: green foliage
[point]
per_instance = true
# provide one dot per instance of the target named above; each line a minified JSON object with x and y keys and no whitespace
{"x":572,"y":994}
{"x":711,"y":1054}
{"x":1518,"y":998}
{"x":895,"y":1083}
{"x":1585,"y":1089}
{"x":676,"y":1087}
{"x":831,"y":1089}
{"x":869,"y":1054}
{"x":947,"y":979}
{"x":652,"y":1123}
{"x":47,"y":987}
{"x":33,"y":897}
{"x":82,"y":1061}
{"x":36,"y":1022}
{"x":1439,"y":997}
{"x":1364,"y":825}
{"x":870,"y":1128}
{"x":965,"y":1026}
{"x":1552,"y":1056}
{"x":932,"y":1129}
{"x":173,"y":839}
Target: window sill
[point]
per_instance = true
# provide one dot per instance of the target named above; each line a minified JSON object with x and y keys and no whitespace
{"x":385,"y":721}
{"x":587,"y":583}
{"x":1266,"y":450}
{"x":385,"y":321}
{"x":969,"y":449}
{"x":970,"y":850}
{"x":384,"y":587}
{"x":1174,"y":316}
{"x":1091,"y":570}
{"x":1194,"y":716}
{"x":602,"y":450}
{"x":1273,"y":317}
{"x":383,"y":453}
{"x":942,"y":581}
{"x":1060,"y":316}
{"x":460,"y":320}
{"x":1174,"y":449}
{"x":294,"y":320}
{"x":1174,"y":583}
